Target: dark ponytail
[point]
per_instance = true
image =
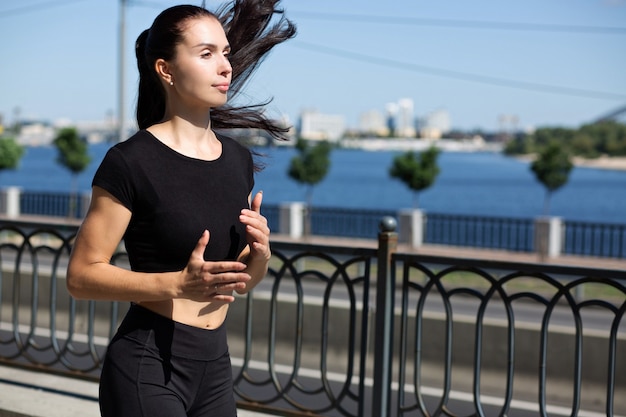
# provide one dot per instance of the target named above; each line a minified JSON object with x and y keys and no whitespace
{"x":251,"y":34}
{"x":150,"y":95}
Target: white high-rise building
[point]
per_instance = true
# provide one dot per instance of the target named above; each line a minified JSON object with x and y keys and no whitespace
{"x":319,"y":126}
{"x":373,"y":123}
{"x":405,"y":125}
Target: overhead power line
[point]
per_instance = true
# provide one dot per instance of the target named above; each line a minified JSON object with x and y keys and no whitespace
{"x":149,"y":4}
{"x":469,"y":24}
{"x":445,"y":73}
{"x":35,"y":7}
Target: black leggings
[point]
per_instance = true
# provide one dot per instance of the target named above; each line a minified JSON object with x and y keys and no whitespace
{"x":158,"y":367}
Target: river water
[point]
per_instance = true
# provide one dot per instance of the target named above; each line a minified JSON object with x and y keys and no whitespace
{"x":488,"y":184}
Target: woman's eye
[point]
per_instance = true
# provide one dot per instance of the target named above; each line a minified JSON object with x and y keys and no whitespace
{"x":206,"y":54}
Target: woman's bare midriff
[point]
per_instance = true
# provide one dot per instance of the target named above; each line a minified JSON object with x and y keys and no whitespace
{"x":193,"y":313}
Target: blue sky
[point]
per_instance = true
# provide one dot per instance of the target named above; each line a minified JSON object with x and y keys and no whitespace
{"x":546,"y":62}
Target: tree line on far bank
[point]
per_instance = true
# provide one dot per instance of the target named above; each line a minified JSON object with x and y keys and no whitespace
{"x":554,"y":148}
{"x":589,"y":141}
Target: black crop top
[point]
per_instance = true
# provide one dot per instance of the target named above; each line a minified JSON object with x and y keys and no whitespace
{"x":174,"y":198}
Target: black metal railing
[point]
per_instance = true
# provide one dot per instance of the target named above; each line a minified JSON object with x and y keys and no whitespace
{"x":480,"y":231}
{"x":47,"y":203}
{"x":350,"y":223}
{"x":348,"y":331}
{"x":272,"y":214}
{"x":488,"y":232}
{"x":513,"y":320}
{"x":313,"y":328}
{"x":595,"y":239}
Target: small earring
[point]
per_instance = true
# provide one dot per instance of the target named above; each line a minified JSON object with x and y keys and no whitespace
{"x":171,"y":82}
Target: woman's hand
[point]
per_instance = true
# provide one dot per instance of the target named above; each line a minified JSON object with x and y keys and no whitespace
{"x":211,"y":281}
{"x":257,"y":232}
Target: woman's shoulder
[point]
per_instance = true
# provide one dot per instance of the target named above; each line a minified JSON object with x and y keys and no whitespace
{"x":140,"y":143}
{"x":232,"y":145}
{"x":141,"y":138}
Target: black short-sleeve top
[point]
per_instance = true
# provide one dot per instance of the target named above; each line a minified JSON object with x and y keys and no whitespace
{"x":174,"y":198}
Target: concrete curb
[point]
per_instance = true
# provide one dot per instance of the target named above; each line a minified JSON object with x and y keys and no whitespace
{"x":34,"y":394}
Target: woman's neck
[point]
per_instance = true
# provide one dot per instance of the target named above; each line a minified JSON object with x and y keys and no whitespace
{"x":190,"y":139}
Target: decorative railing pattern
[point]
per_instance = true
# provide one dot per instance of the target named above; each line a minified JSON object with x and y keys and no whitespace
{"x":341,"y":331}
{"x":317,"y":318}
{"x":551,"y":306}
{"x":40,"y":324}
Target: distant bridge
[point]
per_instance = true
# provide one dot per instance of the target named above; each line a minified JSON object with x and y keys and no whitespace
{"x":618,"y":115}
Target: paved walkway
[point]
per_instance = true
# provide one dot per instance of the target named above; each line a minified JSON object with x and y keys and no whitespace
{"x":37,"y":394}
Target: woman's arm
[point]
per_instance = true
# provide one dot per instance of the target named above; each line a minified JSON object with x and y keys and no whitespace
{"x":257,"y":254}
{"x":90,"y":274}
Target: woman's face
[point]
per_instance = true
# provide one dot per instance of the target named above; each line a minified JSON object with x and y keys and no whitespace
{"x":200,"y":71}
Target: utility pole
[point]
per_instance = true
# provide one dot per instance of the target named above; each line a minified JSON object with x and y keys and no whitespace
{"x":121,"y":79}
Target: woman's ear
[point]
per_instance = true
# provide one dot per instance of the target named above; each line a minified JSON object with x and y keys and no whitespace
{"x":163,"y":71}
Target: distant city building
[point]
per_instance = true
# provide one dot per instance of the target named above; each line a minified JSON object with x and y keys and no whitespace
{"x":405,"y":126}
{"x":319,"y":126}
{"x":41,"y":133}
{"x":36,"y":134}
{"x":100,"y":131}
{"x":391,"y":110}
{"x":401,"y":118}
{"x":373,"y":123}
{"x":435,"y":125}
{"x":508,"y":126}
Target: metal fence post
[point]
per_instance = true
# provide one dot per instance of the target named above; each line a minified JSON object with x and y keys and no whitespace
{"x":385,"y":288}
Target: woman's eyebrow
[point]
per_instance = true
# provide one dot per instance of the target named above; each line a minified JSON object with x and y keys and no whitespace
{"x":211,"y":46}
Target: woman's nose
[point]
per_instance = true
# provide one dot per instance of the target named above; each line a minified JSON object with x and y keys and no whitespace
{"x":225,"y":67}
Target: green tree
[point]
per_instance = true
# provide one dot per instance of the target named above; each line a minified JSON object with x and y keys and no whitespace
{"x":10,"y":153}
{"x":583,"y":144}
{"x":519,"y":146}
{"x":73,"y":155}
{"x":552,"y":168}
{"x":416,"y":171}
{"x":309,"y":167}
